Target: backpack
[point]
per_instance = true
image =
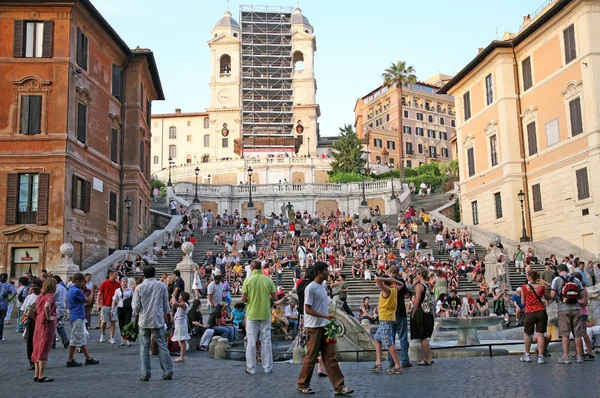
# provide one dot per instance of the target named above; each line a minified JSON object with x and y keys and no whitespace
{"x":22,"y":293}
{"x":570,"y":291}
{"x":428,"y":304}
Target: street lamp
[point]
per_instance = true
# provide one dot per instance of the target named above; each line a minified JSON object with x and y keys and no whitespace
{"x":209,"y":177}
{"x":308,"y":139}
{"x":128,"y":238}
{"x":364,"y":199}
{"x":171,"y":162}
{"x":196,"y":200}
{"x":393,"y":197}
{"x":250,"y":202}
{"x":524,"y":237}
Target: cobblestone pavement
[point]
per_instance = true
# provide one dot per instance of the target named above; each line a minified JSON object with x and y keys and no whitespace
{"x":118,"y":373}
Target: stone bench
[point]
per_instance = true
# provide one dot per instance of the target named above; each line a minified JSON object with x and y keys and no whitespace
{"x":467,"y":327}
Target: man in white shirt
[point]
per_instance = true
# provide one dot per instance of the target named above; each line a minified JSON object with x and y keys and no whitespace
{"x":316,"y":317}
{"x":301,"y":255}
{"x":291,"y":313}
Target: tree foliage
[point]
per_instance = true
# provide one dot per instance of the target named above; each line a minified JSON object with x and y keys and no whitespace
{"x":347,"y":152}
{"x":399,"y":74}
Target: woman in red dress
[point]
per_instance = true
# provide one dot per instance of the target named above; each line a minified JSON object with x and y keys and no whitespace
{"x":45,"y":329}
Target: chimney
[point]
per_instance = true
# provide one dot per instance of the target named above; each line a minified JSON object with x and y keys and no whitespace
{"x":480,"y":49}
{"x":178,"y":110}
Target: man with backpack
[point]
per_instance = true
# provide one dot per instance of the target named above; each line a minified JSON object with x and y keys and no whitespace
{"x":567,"y":291}
{"x":22,"y":293}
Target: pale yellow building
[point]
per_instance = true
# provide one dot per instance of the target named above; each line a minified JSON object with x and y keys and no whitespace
{"x":528,"y":119}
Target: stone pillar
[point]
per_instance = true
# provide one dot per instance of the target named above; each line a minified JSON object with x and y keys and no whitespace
{"x":393,"y":206}
{"x":66,"y":267}
{"x":196,"y":206}
{"x":187,"y":265}
{"x":250,"y":213}
{"x":170,"y":193}
{"x":211,"y":346}
{"x":363,"y":212}
{"x":220,"y":348}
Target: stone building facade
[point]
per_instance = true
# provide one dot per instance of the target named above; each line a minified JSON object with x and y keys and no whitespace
{"x":74,"y":134}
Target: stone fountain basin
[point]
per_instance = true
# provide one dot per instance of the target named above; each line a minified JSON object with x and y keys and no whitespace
{"x":466,"y":328}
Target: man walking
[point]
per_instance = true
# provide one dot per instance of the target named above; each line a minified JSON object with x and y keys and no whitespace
{"x":77,"y":300}
{"x":342,"y":294}
{"x":106,"y":291}
{"x":568,"y":290}
{"x":151,"y":304}
{"x":7,"y":292}
{"x":316,"y":310}
{"x":519,"y":258}
{"x":259,"y":292}
{"x":61,"y":307}
{"x":400,"y":326}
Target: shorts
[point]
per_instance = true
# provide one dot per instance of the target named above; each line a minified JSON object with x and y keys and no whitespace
{"x":106,"y":314}
{"x":570,"y":321}
{"x":536,"y":321}
{"x":384,"y":333}
{"x":78,"y":333}
{"x":519,"y":264}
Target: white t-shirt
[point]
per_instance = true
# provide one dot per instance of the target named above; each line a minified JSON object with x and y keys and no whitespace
{"x":315,"y":295}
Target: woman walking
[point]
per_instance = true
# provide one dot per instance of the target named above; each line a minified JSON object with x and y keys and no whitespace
{"x":122,"y":302}
{"x":45,"y":329}
{"x":536,"y":318}
{"x":421,"y":322}
{"x":28,"y":310}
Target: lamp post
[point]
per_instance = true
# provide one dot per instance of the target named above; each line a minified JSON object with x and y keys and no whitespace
{"x":171,"y":162}
{"x":209,"y":177}
{"x":364,"y":198}
{"x":308,"y":146}
{"x":128,"y":237}
{"x":196,"y":200}
{"x":393,"y":197}
{"x":524,"y":237}
{"x":250,"y":202}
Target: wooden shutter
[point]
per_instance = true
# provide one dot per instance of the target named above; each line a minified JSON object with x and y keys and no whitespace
{"x":48,"y":39}
{"x":142,"y":156}
{"x":471,"y":161}
{"x":536,"y":192}
{"x":82,"y":49}
{"x":575,"y":112}
{"x":112,"y":207}
{"x":43,"y":193}
{"x":570,"y":46}
{"x":35,"y":114}
{"x":12,"y":191}
{"x":583,"y":187}
{"x":87,"y":196}
{"x":74,"y":191}
{"x":148,"y":112}
{"x":114,"y":145}
{"x":467,"y":105}
{"x":24,"y":125}
{"x":527,"y":76}
{"x":19,"y":39}
{"x":81,"y":122}
{"x":116,"y":81}
{"x":532,"y":139}
{"x":498,"y":204}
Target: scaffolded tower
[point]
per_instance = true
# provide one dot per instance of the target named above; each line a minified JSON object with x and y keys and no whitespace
{"x":267,"y":79}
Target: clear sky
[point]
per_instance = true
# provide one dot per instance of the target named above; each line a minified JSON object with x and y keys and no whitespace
{"x":356,"y":41}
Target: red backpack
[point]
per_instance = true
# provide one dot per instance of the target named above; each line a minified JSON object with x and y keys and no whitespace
{"x":570,"y":291}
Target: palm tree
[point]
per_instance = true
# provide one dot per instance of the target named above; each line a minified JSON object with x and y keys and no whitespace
{"x":399,"y":75}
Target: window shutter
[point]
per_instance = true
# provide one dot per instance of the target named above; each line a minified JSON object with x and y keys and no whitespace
{"x":79,"y":44}
{"x":19,"y":39}
{"x":81,"y":122}
{"x":35,"y":114}
{"x":112,"y":207}
{"x":87,"y":196}
{"x":527,"y":76}
{"x":43,"y":193}
{"x":471,"y":161}
{"x":114,"y":136}
{"x":532,"y":139}
{"x":11,"y":198}
{"x":48,"y":39}
{"x":74,"y":191}
{"x":148,"y":112}
{"x":142,"y":156}
{"x":536,"y":192}
{"x":116,"y":81}
{"x":583,"y":187}
{"x":24,"y":125}
{"x":576,"y":122}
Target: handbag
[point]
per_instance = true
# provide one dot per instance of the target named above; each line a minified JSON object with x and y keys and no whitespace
{"x":536,"y":295}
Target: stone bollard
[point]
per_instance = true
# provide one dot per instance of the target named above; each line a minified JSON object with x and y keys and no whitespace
{"x":366,"y":324}
{"x":220,"y":348}
{"x":211,"y":346}
{"x":298,"y":354}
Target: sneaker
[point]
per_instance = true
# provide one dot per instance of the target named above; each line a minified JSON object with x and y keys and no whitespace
{"x":168,"y":377}
{"x":526,"y":358}
{"x":128,"y":343}
{"x":73,"y":364}
{"x":121,"y":344}
{"x":589,"y":357}
{"x":547,"y":354}
{"x":92,"y":361}
{"x":541,"y":359}
{"x":579,"y":360}
{"x":597,"y":350}
{"x":565,"y":360}
{"x":102,"y":339}
{"x":112,"y":341}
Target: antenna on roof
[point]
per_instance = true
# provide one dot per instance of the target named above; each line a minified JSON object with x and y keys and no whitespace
{"x":227,"y":1}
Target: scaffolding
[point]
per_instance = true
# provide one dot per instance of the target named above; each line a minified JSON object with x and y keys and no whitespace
{"x":267,"y":73}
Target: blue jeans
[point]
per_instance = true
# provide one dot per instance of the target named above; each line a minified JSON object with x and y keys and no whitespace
{"x":293,"y":325}
{"x":401,"y":328}
{"x":20,"y":325}
{"x":163,"y":354}
{"x":2,"y":316}
{"x":226,"y":332}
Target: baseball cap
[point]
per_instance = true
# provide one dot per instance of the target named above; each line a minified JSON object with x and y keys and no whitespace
{"x":3,"y":277}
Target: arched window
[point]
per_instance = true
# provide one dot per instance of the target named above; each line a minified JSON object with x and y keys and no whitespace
{"x":188,"y":159}
{"x":172,"y":133}
{"x":206,"y":123}
{"x":298,"y":61}
{"x":206,"y":141}
{"x":205,"y":158}
{"x":155,"y":159}
{"x":173,"y":151}
{"x":225,"y":64}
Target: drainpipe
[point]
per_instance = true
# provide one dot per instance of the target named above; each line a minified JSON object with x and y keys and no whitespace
{"x":522,"y":143}
{"x":122,"y":155}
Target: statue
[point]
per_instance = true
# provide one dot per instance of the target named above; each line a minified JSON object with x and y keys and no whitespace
{"x":495,"y":261}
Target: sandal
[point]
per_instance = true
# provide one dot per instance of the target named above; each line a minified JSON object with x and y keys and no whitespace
{"x":45,"y":380}
{"x":345,"y":391}
{"x":306,"y":390}
{"x":322,"y":374}
{"x":423,"y":363}
{"x":376,"y":368}
{"x":394,"y":371}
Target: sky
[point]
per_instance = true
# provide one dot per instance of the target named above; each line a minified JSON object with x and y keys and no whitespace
{"x":356,"y":41}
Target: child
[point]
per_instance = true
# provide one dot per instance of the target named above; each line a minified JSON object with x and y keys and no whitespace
{"x":239,"y":314}
{"x":181,"y":323}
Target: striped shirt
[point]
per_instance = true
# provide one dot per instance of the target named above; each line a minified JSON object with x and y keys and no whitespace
{"x":151,"y":303}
